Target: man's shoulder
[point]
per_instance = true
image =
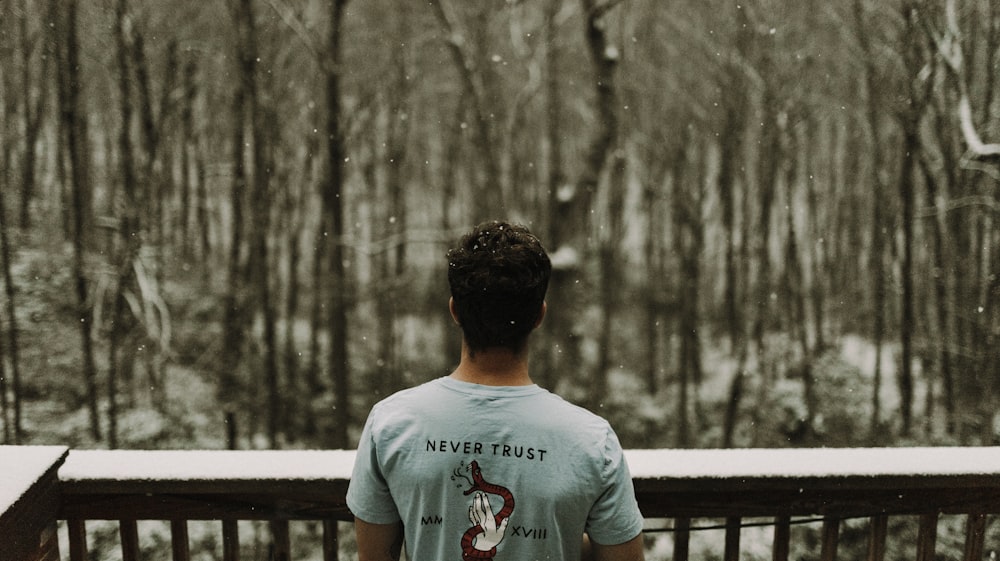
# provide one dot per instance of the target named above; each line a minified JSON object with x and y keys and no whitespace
{"x":417,"y":390}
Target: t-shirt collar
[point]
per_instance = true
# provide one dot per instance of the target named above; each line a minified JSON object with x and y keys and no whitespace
{"x":489,"y":391}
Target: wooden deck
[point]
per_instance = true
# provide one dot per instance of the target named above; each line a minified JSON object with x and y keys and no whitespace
{"x":679,"y":491}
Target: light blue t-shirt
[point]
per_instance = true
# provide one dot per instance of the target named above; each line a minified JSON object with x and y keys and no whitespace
{"x":478,"y":472}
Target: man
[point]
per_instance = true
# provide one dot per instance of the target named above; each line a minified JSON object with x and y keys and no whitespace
{"x":483,"y":464}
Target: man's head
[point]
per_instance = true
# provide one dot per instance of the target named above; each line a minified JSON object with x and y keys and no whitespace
{"x":498,"y":275}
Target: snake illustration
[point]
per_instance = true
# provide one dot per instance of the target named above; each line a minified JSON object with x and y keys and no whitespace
{"x":469,"y":552}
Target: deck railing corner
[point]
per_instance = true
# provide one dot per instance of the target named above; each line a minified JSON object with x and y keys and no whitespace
{"x":30,"y":502}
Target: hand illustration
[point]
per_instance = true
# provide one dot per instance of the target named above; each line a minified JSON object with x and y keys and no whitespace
{"x":482,"y":514}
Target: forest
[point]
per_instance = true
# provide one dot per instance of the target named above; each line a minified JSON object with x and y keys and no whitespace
{"x":223,"y":223}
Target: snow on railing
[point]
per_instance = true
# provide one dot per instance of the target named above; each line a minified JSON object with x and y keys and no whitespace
{"x":680,"y":492}
{"x":29,"y":502}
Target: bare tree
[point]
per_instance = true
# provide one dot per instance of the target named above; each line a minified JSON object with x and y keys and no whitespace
{"x":34,"y":109}
{"x":877,"y":253}
{"x":73,"y":128}
{"x":333,"y":209}
{"x":473,"y":82}
{"x":571,"y":215}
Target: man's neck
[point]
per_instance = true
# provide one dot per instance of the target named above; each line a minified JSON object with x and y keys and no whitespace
{"x":493,"y":367}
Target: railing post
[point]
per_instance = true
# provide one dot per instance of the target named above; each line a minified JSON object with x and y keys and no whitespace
{"x":831,"y":538}
{"x":331,"y":541}
{"x":927,"y":537}
{"x":29,"y":502}
{"x":129,"y":532}
{"x":975,"y":536}
{"x":230,"y":540}
{"x":281,"y":541}
{"x":179,"y":540}
{"x":77,"y":539}
{"x":733,"y":528}
{"x":682,"y":538}
{"x":876,"y":537}
{"x":782,"y":538}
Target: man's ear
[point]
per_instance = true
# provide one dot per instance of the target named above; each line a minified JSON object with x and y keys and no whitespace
{"x":454,"y":313}
{"x":541,"y":315}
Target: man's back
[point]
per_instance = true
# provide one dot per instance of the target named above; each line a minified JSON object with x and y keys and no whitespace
{"x":505,"y":472}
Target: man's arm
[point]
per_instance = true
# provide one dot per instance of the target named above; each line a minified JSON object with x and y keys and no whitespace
{"x":378,"y":542}
{"x":631,"y":550}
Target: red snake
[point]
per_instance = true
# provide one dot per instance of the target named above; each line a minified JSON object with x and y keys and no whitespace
{"x":470,"y":553}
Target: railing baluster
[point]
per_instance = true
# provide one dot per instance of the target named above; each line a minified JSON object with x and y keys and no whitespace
{"x":129,"y":532}
{"x":732,"y":552}
{"x":927,"y":537}
{"x":876,"y":537}
{"x":230,"y":540}
{"x":682,"y":537}
{"x":782,"y":538}
{"x":281,"y":541}
{"x":331,"y":541}
{"x":975,"y":536}
{"x":831,"y":537}
{"x":77,"y":530}
{"x":179,"y":540}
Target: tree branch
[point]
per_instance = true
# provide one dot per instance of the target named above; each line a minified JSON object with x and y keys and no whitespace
{"x":949,"y":46}
{"x":295,"y":24}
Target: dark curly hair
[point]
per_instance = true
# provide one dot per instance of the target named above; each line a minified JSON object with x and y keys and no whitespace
{"x":498,"y":276}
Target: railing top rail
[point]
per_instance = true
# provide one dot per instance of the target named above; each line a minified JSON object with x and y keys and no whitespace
{"x":816,"y":463}
{"x":733,"y":482}
{"x":124,"y":466}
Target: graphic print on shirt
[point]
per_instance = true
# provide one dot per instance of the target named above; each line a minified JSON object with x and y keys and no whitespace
{"x":479,"y":542}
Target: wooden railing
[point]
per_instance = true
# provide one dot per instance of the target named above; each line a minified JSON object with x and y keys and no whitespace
{"x":681,"y":492}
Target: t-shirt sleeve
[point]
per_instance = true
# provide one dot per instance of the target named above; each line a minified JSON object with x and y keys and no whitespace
{"x":368,"y":494}
{"x":615,"y":516}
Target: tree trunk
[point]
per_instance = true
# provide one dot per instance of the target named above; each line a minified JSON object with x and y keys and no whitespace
{"x":490,"y":199}
{"x":937,"y":196}
{"x":610,"y":280}
{"x":235,"y":317}
{"x":730,"y":156}
{"x":333,"y":209}
{"x":877,"y":265}
{"x":819,"y":237}
{"x":74,"y":130}
{"x":571,"y":216}
{"x":911,"y":119}
{"x":795,"y":276}
{"x":8,"y":429}
{"x":262,"y":126}
{"x":556,"y":326}
{"x":313,"y":383}
{"x":680,"y":205}
{"x":453,"y":143}
{"x":769,"y":161}
{"x":654,"y":292}
{"x":295,"y":398}
{"x":397,"y":136}
{"x":188,"y":146}
{"x":9,"y":339}
{"x":6,"y":139}
{"x":127,"y":248}
{"x":32,"y":116}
